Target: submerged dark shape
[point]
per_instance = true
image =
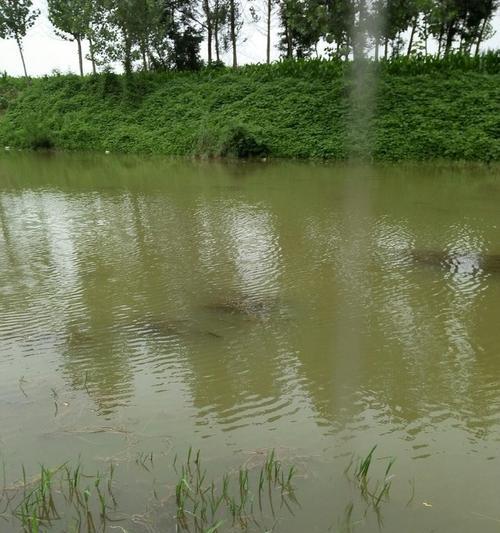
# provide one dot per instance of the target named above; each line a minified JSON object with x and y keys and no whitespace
{"x":77,"y":336}
{"x":244,"y":307}
{"x":160,"y":327}
{"x":467,"y":262}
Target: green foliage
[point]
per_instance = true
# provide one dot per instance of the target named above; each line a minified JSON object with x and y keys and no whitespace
{"x":154,"y":34}
{"x":71,"y":17}
{"x":109,"y":84}
{"x":34,"y":133}
{"x":16,"y":18}
{"x":422,"y":109}
{"x":234,"y":141}
{"x":488,"y":63}
{"x":72,"y":20}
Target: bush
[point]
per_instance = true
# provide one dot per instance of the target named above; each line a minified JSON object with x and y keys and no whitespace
{"x":110,"y":84}
{"x":238,"y":141}
{"x":34,"y":133}
{"x":234,"y":141}
{"x":39,"y":138}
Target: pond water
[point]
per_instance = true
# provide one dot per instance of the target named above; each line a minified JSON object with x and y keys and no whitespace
{"x":150,"y":305}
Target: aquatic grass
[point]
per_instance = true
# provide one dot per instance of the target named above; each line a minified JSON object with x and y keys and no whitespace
{"x":145,"y":460}
{"x":55,"y":395}
{"x":257,"y":495}
{"x":364,"y":466}
{"x":373,"y":491}
{"x":63,"y":494}
{"x":202,"y":502}
{"x":21,"y":384}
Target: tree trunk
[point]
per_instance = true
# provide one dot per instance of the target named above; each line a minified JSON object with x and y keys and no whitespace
{"x":360,"y":30}
{"x":80,"y":56}
{"x":206,"y":8}
{"x":160,"y":58}
{"x":376,"y":49}
{"x":127,"y":60}
{"x":268,"y":47}
{"x":450,"y":34}
{"x":426,"y":37}
{"x":92,"y":58}
{"x":480,"y":36}
{"x":209,"y":43}
{"x":144,"y":48}
{"x":20,"y":46}
{"x":289,"y":44}
{"x":216,"y":31}
{"x":440,"y":41}
{"x":386,"y":46}
{"x":233,"y":31}
{"x":412,"y":35}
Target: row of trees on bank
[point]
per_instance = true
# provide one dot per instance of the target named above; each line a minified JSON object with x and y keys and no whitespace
{"x":167,"y":34}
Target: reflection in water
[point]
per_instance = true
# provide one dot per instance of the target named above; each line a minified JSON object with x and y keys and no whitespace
{"x":460,"y":262}
{"x":346,"y":305}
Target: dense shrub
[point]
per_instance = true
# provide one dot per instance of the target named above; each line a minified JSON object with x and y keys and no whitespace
{"x":238,"y":141}
{"x":235,"y":141}
{"x":416,"y":108}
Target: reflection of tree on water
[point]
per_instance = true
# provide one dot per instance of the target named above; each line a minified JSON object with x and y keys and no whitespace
{"x":101,"y":369}
{"x":94,"y":355}
{"x":242,"y":378}
{"x":397,"y":342}
{"x":250,"y":300}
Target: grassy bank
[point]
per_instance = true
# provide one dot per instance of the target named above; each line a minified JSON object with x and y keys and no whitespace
{"x":416,"y":110}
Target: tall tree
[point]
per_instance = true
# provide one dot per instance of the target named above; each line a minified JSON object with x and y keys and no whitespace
{"x":72,"y":21}
{"x":233,"y":18}
{"x":269,"y":16}
{"x":475,"y":18}
{"x":340,"y":19}
{"x":484,"y":28}
{"x":221,"y":19}
{"x":125,"y":29}
{"x":393,"y":17}
{"x":227,"y":24}
{"x":303,"y":25}
{"x":16,"y":18}
{"x":209,"y":24}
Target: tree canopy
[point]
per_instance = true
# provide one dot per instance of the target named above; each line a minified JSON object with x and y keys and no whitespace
{"x":16,"y":18}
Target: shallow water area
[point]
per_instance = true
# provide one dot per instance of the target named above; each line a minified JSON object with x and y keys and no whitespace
{"x":148,"y":306}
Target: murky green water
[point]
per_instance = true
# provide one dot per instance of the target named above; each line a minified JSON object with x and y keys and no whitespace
{"x":147,"y":306}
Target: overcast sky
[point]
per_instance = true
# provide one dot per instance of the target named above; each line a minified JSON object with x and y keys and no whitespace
{"x":44,"y":51}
